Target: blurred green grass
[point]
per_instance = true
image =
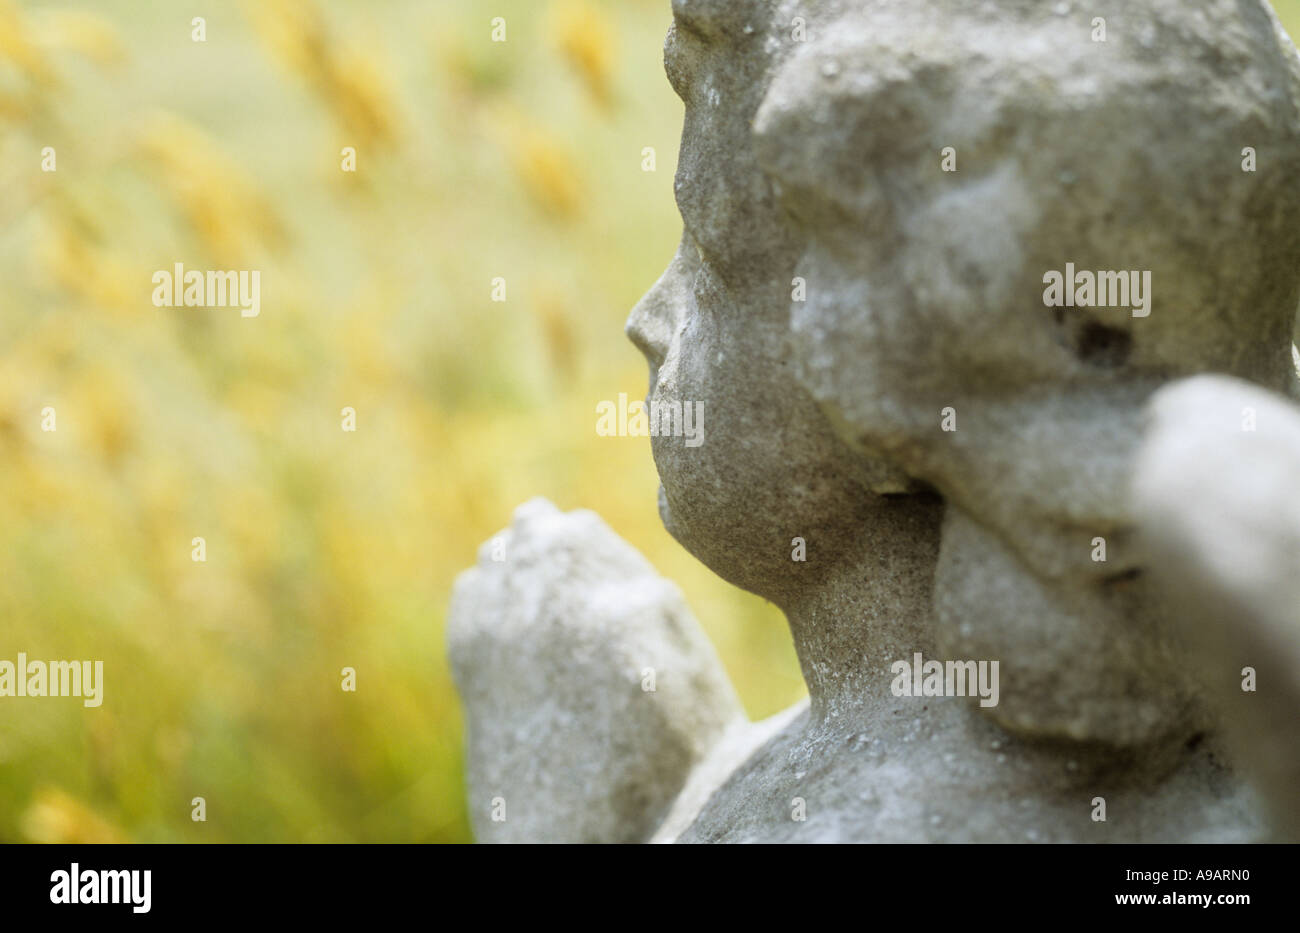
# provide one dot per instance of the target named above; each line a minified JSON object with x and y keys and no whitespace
{"x":325,"y":549}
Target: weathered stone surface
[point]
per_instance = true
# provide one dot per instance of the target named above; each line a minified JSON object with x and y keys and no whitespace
{"x":1217,"y":490}
{"x":926,"y":293}
{"x":552,"y":647}
{"x":838,"y":300}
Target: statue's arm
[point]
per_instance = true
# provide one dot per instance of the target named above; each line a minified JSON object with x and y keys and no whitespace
{"x":1217,"y":494}
{"x":589,"y":690}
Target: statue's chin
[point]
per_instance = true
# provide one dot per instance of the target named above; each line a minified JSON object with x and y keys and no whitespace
{"x":681,"y":532}
{"x":670,"y":523}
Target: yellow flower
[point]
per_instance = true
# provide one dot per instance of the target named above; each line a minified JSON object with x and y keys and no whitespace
{"x":361,"y":98}
{"x":106,"y":414}
{"x":70,"y":254}
{"x":222,"y":205}
{"x":83,"y":33}
{"x":349,"y":83}
{"x":55,"y":816}
{"x":17,"y":45}
{"x":558,"y":331}
{"x":547,"y":171}
{"x":586,"y":39}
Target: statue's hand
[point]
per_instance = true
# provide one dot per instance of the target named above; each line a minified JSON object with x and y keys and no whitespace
{"x":1217,"y":495}
{"x":589,"y":689}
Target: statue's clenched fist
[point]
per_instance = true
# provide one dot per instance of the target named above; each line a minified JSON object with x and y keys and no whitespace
{"x":589,"y":689}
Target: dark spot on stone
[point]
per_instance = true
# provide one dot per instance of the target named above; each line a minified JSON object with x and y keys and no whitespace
{"x":1106,"y":347}
{"x":1127,"y":576}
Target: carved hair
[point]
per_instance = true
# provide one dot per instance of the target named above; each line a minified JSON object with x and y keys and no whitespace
{"x":1171,"y":148}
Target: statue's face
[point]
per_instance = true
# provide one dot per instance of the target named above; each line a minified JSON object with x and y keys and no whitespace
{"x":850,"y":123}
{"x":715,"y":331}
{"x":838,"y":267}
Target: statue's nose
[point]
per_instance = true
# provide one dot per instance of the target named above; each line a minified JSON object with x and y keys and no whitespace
{"x":653,"y":321}
{"x":649,"y":326}
{"x":655,"y":317}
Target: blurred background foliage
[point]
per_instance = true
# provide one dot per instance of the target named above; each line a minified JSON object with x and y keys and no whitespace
{"x":325,"y":549}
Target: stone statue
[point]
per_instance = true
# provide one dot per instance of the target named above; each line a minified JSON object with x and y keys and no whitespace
{"x":950,"y":277}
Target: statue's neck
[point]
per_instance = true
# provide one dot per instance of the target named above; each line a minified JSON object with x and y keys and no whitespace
{"x":872,"y":607}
